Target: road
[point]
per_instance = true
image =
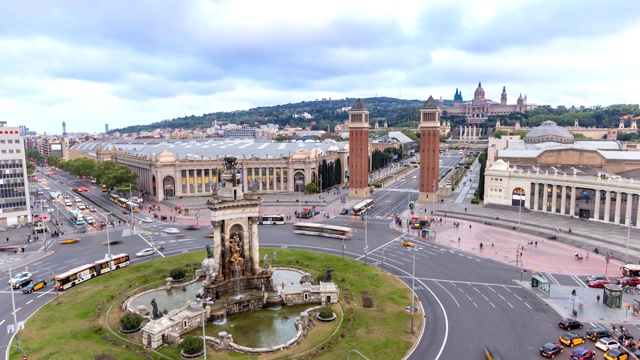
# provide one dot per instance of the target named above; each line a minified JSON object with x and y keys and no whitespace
{"x":468,"y":300}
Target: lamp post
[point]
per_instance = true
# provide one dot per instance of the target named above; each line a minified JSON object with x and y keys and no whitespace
{"x":197,"y":216}
{"x":366,"y":246}
{"x":626,"y":255}
{"x":109,"y":242}
{"x":54,"y":279}
{"x":413,"y":287}
{"x":13,"y":304}
{"x":433,"y":203}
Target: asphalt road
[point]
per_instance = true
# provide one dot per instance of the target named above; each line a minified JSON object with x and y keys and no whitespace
{"x":468,"y":301}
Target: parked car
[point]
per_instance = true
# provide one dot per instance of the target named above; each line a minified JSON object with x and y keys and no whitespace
{"x":569,"y":324}
{"x":572,"y":339}
{"x":597,"y":333}
{"x":605,"y":344}
{"x":582,"y":353}
{"x":550,"y":349}
{"x":34,"y":286}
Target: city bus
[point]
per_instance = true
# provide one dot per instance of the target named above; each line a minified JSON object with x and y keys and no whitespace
{"x":53,"y":195}
{"x":77,"y":217}
{"x":130,"y":205}
{"x":114,"y":198}
{"x":330,"y":231}
{"x":88,"y":271}
{"x":362,"y":206}
{"x":277,"y":219}
{"x":630,"y":270}
{"x":122,"y":201}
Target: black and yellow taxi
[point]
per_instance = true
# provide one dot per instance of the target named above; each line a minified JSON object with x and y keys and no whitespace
{"x":34,"y":286}
{"x":616,"y":354}
{"x":597,"y":333}
{"x":572,"y":339}
{"x":408,"y":243}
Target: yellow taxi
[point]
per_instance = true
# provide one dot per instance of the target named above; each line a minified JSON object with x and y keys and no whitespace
{"x":616,"y":354}
{"x":572,"y":339}
{"x":69,"y":241}
{"x":408,"y":243}
{"x":210,"y":235}
{"x":34,"y":286}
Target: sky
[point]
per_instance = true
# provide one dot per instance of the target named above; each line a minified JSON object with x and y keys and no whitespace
{"x":117,"y":62}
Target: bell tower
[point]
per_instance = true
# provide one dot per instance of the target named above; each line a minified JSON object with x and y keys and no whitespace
{"x":429,"y":151}
{"x":358,"y":150}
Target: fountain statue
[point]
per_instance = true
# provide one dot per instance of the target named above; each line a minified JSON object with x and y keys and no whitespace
{"x":155,"y":313}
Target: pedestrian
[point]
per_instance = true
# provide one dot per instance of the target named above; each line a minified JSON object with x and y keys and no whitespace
{"x":7,"y":239}
{"x":465,"y":209}
{"x":481,"y":246}
{"x":536,"y":243}
{"x":598,"y":298}
{"x":469,"y":226}
{"x":458,"y":240}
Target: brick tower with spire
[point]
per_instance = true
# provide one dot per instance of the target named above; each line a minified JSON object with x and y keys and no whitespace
{"x":429,"y":151}
{"x":358,"y":150}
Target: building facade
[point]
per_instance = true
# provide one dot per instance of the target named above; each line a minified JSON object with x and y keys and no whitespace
{"x":14,"y":197}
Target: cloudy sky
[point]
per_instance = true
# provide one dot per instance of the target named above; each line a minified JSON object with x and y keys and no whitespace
{"x":135,"y":62}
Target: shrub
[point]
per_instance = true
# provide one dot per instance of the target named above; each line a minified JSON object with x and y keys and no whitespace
{"x":475,"y":201}
{"x":130,"y":321}
{"x":178,"y":273}
{"x":192,"y":345}
{"x":325,"y":312}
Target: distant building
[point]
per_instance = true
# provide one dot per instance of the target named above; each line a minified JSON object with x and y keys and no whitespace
{"x":480,"y":108}
{"x":240,"y":133}
{"x":14,"y":197}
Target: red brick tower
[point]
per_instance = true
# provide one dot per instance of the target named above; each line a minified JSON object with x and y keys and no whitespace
{"x":429,"y":151}
{"x":358,"y":150}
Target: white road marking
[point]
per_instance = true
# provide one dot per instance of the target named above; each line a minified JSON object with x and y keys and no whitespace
{"x":528,"y":305}
{"x":29,"y":302}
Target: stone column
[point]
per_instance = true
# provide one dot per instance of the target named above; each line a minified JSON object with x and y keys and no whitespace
{"x":607,"y":206}
{"x":554,"y":197}
{"x":572,"y":210}
{"x":627,"y":213}
{"x":188,"y":181}
{"x":255,"y":245}
{"x":246,"y":248}
{"x":217,"y":246}
{"x":202,"y":188}
{"x":616,"y":214}
{"x":260,"y":177}
{"x":536,"y":197}
{"x":596,"y":206}
{"x":245,"y":179}
{"x":563,"y":200}
{"x":545,"y":197}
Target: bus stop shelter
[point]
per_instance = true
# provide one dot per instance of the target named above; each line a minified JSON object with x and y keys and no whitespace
{"x":541,"y":284}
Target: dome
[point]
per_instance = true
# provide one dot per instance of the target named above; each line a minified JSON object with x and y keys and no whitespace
{"x":346,"y":146}
{"x":499,"y":165}
{"x":316,"y":152}
{"x":165,"y":156}
{"x":300,"y":154}
{"x":333,"y":148}
{"x":549,"y":131}
{"x":479,"y":93}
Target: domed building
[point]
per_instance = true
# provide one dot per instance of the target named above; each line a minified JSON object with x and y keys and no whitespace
{"x":549,"y":131}
{"x":480,"y":108}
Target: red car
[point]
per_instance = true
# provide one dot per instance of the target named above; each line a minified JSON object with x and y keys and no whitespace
{"x":599,"y":283}
{"x":630,"y":281}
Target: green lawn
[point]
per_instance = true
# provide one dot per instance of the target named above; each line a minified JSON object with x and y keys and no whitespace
{"x":73,"y":326}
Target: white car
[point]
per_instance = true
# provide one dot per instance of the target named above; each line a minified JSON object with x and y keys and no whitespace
{"x":146,"y":220}
{"x":605,"y":344}
{"x":46,"y":188}
{"x":20,"y":276}
{"x":81,"y":206}
{"x":172,"y":231}
{"x":145,"y":252}
{"x":414,"y":177}
{"x":78,"y":200}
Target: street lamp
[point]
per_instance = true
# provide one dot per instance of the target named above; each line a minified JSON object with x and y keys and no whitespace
{"x":109,"y":241}
{"x":413,"y":287}
{"x":197,"y":216}
{"x":626,"y":256}
{"x":366,"y":246}
{"x":54,"y":279}
{"x":13,"y":304}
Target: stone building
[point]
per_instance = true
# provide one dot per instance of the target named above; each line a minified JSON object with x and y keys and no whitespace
{"x":480,"y":108}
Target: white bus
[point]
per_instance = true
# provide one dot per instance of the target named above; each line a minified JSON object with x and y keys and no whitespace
{"x":275,"y":219}
{"x":331,"y":231}
{"x":362,"y":206}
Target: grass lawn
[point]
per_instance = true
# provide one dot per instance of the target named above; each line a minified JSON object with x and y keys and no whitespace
{"x":73,"y":327}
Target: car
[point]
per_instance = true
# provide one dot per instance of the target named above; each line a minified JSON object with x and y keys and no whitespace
{"x":193,"y":227}
{"x":34,"y":286}
{"x":408,"y":243}
{"x":84,"y":188}
{"x":69,"y":241}
{"x":404,"y":177}
{"x":595,"y":277}
{"x":146,"y":220}
{"x":66,"y":197}
{"x":45,"y":205}
{"x":145,"y":252}
{"x":112,"y":242}
{"x":77,"y":200}
{"x":68,"y":203}
{"x":596,"y":333}
{"x":20,"y":276}
{"x":344,"y":212}
{"x":599,"y":283}
{"x":582,"y":353}
{"x":616,"y":354}
{"x":81,"y":206}
{"x":629,"y":281}
{"x":22,"y":283}
{"x":89,"y":219}
{"x":171,"y":230}
{"x":570,"y":324}
{"x":92,"y":209}
{"x":572,"y":339}
{"x":8,"y":248}
{"x":46,"y":188}
{"x":605,"y":344}
{"x":414,"y":177}
{"x":210,"y":235}
{"x":550,"y":349}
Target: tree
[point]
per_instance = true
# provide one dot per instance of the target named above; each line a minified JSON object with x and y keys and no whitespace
{"x":130,"y":321}
{"x":311,"y":188}
{"x":499,"y":133}
{"x":192,"y":345}
{"x":30,"y":168}
{"x":120,"y":177}
{"x":34,"y":155}
{"x":53,"y":160}
{"x":482,"y":159}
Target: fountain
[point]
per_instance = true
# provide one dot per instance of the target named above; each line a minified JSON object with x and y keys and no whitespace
{"x":234,"y":282}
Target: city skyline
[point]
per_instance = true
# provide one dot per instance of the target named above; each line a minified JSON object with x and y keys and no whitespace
{"x":89,"y":65}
